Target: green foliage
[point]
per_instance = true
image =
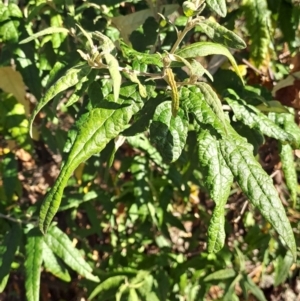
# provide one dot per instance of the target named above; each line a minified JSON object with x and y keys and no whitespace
{"x":258,"y":24}
{"x":33,"y":262}
{"x":143,"y":149}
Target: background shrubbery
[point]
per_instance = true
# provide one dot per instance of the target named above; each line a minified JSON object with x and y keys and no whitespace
{"x":166,"y":134}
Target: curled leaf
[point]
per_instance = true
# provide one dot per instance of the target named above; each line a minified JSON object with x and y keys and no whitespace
{"x":208,"y":48}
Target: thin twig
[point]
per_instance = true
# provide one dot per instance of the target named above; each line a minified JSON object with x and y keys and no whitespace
{"x":12,"y":219}
{"x":274,"y":173}
{"x":251,"y":66}
{"x":242,"y":211}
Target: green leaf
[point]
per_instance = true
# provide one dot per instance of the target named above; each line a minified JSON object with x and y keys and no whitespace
{"x":71,"y":78}
{"x":219,"y":6}
{"x":272,"y":106}
{"x":8,"y":248}
{"x":169,"y":133}
{"x":282,"y":268}
{"x":189,"y":8}
{"x":258,"y":187}
{"x":92,"y":132}
{"x":47,"y":31}
{"x":33,"y":262}
{"x":230,"y":291}
{"x":217,"y":175}
{"x":253,"y":288}
{"x":289,"y":170}
{"x":142,"y":142}
{"x":288,"y":21}
{"x":133,"y":296}
{"x":122,"y":289}
{"x":133,"y":78}
{"x":9,"y":174}
{"x":144,"y":117}
{"x":258,"y":24}
{"x":107,"y":284}
{"x":220,"y":275}
{"x":54,"y":264}
{"x":216,"y":230}
{"x":26,"y":64}
{"x":79,"y":90}
{"x":35,"y":10}
{"x":57,"y":38}
{"x":213,"y":101}
{"x":287,"y":122}
{"x":3,"y":282}
{"x":113,"y":67}
{"x":81,"y":87}
{"x":254,"y":137}
{"x":148,"y":59}
{"x":221,"y":34}
{"x":62,"y":246}
{"x":194,"y":103}
{"x":198,"y":70}
{"x":76,"y":200}
{"x":107,"y":45}
{"x":10,"y":18}
{"x":253,"y":118}
{"x":208,"y":48}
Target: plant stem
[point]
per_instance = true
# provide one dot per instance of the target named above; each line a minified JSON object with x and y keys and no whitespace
{"x":189,"y":25}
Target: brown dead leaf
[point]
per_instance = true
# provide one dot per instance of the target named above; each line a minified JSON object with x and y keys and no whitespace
{"x":295,"y":63}
{"x":12,"y":82}
{"x":287,"y":91}
{"x":127,"y":24}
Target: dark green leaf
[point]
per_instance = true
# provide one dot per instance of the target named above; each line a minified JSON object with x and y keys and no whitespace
{"x":9,"y":247}
{"x":258,"y":187}
{"x":143,"y":143}
{"x":207,"y":48}
{"x":194,"y":103}
{"x":33,"y":262}
{"x":54,"y":265}
{"x":10,"y":175}
{"x":46,"y":31}
{"x":287,"y":122}
{"x":253,"y":288}
{"x":219,"y":6}
{"x":91,"y":134}
{"x":62,"y":246}
{"x":128,"y":52}
{"x":220,"y":275}
{"x":169,"y":133}
{"x":213,"y":101}
{"x":107,"y":284}
{"x":254,"y":137}
{"x":282,"y":268}
{"x":10,"y":18}
{"x":287,"y":23}
{"x":253,"y":118}
{"x":217,"y":175}
{"x":221,"y":34}
{"x":289,"y":170}
{"x":71,"y":78}
{"x":258,"y":22}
